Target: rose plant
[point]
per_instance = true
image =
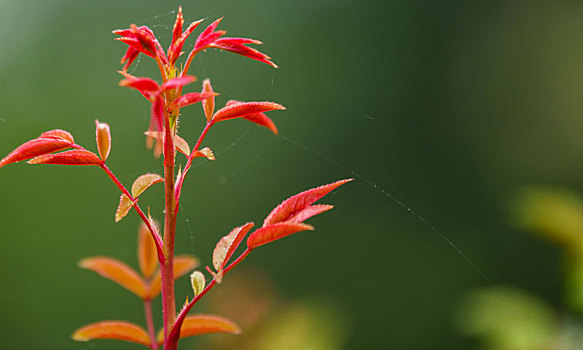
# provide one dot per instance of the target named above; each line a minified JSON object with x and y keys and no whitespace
{"x":159,"y":266}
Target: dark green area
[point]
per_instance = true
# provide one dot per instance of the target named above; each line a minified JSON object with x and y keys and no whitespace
{"x":447,"y":106}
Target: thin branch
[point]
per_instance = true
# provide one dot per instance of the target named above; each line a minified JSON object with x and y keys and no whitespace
{"x":155,"y":235}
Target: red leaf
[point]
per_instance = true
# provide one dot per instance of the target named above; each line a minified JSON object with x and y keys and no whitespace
{"x":58,"y":134}
{"x":142,"y":39}
{"x":208,"y":35}
{"x":204,"y":324}
{"x":35,"y":148}
{"x":118,"y":330}
{"x":310,"y":211}
{"x":226,"y":247}
{"x":177,"y":29}
{"x":175,"y":49}
{"x":268,"y":234}
{"x":243,"y":109}
{"x":236,"y":45}
{"x":118,"y":272}
{"x":74,"y":157}
{"x":178,"y":82}
{"x":190,"y":98}
{"x":295,"y":204}
{"x":258,"y":118}
{"x":143,"y":85}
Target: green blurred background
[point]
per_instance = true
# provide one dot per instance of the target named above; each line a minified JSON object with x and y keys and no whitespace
{"x":447,"y":106}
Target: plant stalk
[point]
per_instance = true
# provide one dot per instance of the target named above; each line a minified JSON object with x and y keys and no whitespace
{"x":167,"y":269}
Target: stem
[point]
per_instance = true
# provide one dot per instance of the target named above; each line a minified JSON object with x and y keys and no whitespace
{"x":162,"y":70}
{"x":189,"y":163}
{"x":153,"y":231}
{"x":187,"y":66}
{"x":174,"y":335}
{"x":167,"y":269}
{"x":150,"y":324}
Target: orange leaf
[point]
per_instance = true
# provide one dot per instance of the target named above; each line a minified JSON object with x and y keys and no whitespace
{"x":295,"y":204}
{"x":147,"y":255}
{"x":118,"y":272}
{"x":243,"y":109}
{"x":103,"y":138}
{"x":204,"y":324}
{"x":183,"y":264}
{"x":180,"y":143}
{"x":144,"y":182}
{"x":274,"y":232}
{"x":226,"y":247}
{"x":118,"y":330}
{"x":74,"y":157}
{"x":209,"y":104}
{"x":123,"y":208}
{"x":205,"y":152}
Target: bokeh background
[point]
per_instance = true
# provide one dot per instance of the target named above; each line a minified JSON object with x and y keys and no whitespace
{"x":446,"y":106}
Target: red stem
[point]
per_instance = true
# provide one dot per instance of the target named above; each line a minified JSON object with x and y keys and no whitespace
{"x":155,"y":235}
{"x":174,"y":335}
{"x":150,"y":324}
{"x":167,"y":269}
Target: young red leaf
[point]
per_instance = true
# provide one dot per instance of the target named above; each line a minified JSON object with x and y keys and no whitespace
{"x":180,"y":143}
{"x":74,"y":157}
{"x":144,"y":182}
{"x":226,"y":247}
{"x":258,"y":118}
{"x":103,"y":138}
{"x":268,"y":234}
{"x":295,"y":204}
{"x":208,"y":104}
{"x":205,"y":152}
{"x":118,"y":272}
{"x":143,"y":85}
{"x":117,"y":330}
{"x":147,"y":255}
{"x":190,"y":98}
{"x":177,"y":29}
{"x":237,"y":45}
{"x":208,"y":35}
{"x":310,"y":211}
{"x":58,"y":134}
{"x":243,"y":109}
{"x":35,"y":148}
{"x":178,"y":82}
{"x":204,"y":324}
{"x":175,"y":49}
{"x":183,"y":264}
{"x":143,"y":40}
